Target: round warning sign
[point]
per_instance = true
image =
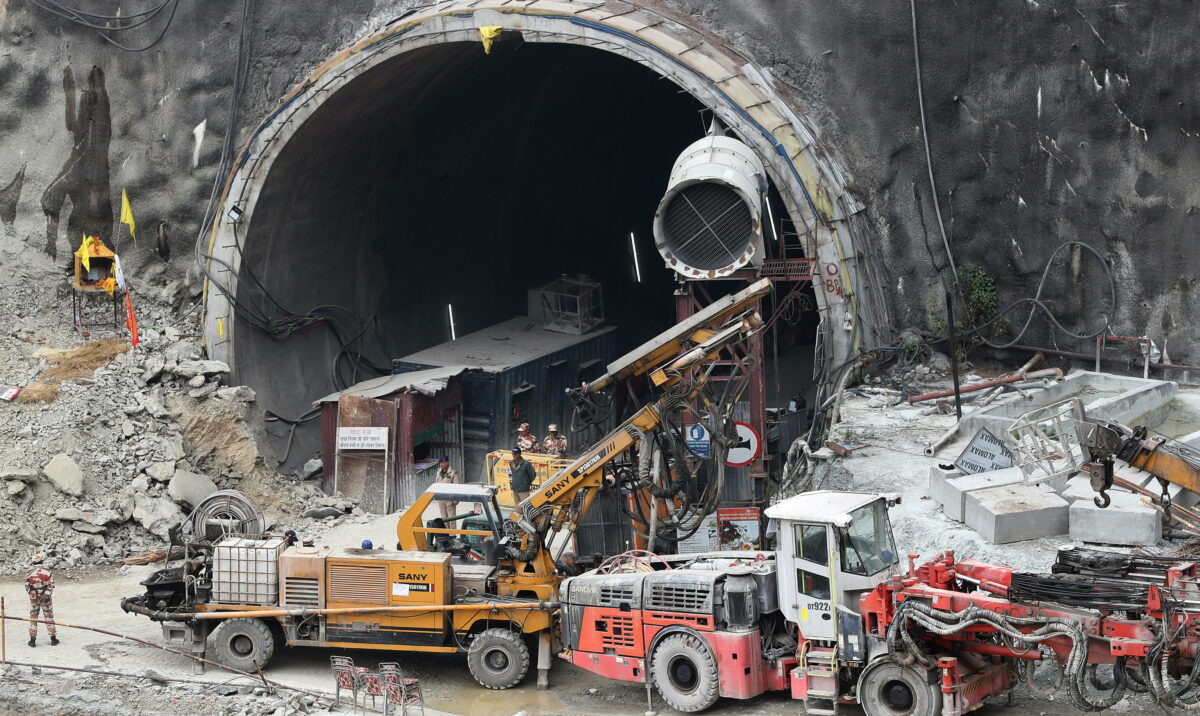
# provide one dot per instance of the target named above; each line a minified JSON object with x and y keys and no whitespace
{"x":747,"y":448}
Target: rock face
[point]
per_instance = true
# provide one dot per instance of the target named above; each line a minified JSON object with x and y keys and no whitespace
{"x":195,"y":368}
{"x":156,"y":514}
{"x":161,"y":471}
{"x":190,"y":488}
{"x":65,"y":474}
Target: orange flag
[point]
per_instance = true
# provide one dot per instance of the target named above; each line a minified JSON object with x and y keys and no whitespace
{"x":131,"y":321}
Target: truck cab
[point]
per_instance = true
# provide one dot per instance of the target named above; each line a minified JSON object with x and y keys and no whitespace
{"x":737,"y":624}
{"x":832,"y":548}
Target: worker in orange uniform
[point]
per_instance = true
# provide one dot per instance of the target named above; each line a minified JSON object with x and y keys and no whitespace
{"x":39,"y":584}
{"x":526,"y":440}
{"x":554,"y":444}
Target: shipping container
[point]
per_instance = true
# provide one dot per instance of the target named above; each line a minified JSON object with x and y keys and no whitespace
{"x":522,"y":375}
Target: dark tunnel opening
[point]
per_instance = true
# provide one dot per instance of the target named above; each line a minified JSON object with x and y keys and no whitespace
{"x":447,"y":176}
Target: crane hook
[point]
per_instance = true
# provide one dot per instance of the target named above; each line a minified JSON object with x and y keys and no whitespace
{"x":1103,"y":500}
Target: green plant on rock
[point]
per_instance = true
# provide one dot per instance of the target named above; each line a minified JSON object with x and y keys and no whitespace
{"x":978,"y":290}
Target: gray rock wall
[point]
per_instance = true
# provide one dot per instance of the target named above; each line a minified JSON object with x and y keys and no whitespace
{"x":1050,"y":121}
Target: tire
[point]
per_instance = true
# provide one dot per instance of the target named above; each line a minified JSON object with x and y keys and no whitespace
{"x":685,"y":673}
{"x":498,"y":658}
{"x":888,"y":689}
{"x":242,"y":643}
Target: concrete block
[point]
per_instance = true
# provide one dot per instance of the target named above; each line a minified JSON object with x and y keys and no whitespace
{"x":1080,"y":488}
{"x":938,"y":474}
{"x":956,"y":489}
{"x":1179,"y":495}
{"x":1011,"y":513}
{"x":1124,"y":522}
{"x":1056,"y":484}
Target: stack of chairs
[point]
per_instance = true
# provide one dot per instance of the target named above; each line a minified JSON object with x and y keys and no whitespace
{"x":390,"y":683}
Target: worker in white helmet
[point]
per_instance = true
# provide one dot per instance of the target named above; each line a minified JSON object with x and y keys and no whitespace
{"x":554,"y":444}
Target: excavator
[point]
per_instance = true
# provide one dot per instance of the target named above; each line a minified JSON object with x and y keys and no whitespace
{"x":474,"y":581}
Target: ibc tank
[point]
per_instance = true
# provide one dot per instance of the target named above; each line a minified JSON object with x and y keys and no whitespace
{"x":708,"y":224}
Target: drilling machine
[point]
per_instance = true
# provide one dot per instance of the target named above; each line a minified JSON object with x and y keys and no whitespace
{"x":478,"y":581}
{"x":831,"y":618}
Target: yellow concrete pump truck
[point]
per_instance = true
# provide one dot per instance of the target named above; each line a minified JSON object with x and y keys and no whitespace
{"x":485,"y":587}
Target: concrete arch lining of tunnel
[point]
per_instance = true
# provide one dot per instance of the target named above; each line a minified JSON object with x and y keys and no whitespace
{"x":810,"y":183}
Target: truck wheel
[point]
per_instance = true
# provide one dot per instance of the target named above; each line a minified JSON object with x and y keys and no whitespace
{"x":498,"y":658}
{"x":242,"y":643}
{"x":685,"y":673}
{"x":888,"y":689}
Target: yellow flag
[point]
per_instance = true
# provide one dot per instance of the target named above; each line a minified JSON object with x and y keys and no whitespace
{"x":487,"y":34}
{"x":84,"y":258}
{"x":127,"y":215}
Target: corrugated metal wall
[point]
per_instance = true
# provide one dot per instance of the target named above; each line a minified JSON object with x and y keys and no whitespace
{"x":605,"y":529}
{"x":550,"y":377}
{"x":488,"y":420}
{"x":739,"y":486}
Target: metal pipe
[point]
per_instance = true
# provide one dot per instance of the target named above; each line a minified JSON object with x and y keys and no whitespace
{"x":954,"y":355}
{"x":1045,"y":373}
{"x":1084,"y":356}
{"x":259,"y":613}
{"x":932,"y":448}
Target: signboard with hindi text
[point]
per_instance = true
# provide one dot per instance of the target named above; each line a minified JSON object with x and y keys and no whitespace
{"x":362,"y":438}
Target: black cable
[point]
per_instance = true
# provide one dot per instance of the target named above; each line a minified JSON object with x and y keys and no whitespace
{"x":1035,"y":303}
{"x":69,"y":14}
{"x":79,"y":18}
{"x":84,"y":13}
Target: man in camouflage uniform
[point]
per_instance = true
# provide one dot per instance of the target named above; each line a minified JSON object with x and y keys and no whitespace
{"x":554,"y":444}
{"x":39,"y":584}
{"x":526,"y":440}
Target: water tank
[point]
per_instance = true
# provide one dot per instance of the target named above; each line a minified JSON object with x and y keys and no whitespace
{"x":709,"y":224}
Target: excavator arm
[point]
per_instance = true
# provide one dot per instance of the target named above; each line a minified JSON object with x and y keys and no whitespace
{"x":563,"y":500}
{"x":1169,"y":462}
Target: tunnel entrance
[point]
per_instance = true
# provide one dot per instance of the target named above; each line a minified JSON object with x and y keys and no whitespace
{"x":414,"y":173}
{"x":451,"y":177}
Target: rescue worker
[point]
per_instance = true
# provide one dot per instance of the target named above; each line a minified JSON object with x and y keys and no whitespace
{"x":40,"y":586}
{"x":554,"y":444}
{"x":525,"y":439}
{"x":520,"y":475}
{"x":447,"y":474}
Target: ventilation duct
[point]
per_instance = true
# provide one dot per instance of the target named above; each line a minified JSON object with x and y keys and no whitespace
{"x":708,"y":224}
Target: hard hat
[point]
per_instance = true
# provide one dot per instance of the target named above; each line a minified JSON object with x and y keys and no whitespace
{"x":523,"y":426}
{"x":36,"y":559}
{"x":367,"y":544}
{"x":552,"y":427}
{"x":516,"y":451}
{"x":444,"y":458}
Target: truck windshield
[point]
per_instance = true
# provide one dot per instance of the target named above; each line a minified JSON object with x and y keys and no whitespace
{"x":867,"y":546}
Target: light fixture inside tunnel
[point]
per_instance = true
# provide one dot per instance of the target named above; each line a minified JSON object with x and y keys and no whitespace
{"x":709,"y":223}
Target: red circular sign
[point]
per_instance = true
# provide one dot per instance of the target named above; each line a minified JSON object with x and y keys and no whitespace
{"x":748,"y":447}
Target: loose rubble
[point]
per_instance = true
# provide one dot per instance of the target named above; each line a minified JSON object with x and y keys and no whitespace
{"x":128,"y":440}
